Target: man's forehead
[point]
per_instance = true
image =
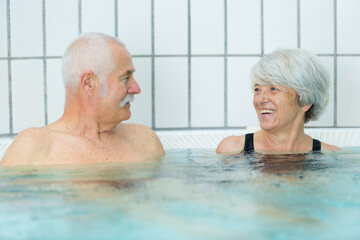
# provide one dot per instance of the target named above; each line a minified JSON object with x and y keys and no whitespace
{"x":123,"y":60}
{"x":117,"y":47}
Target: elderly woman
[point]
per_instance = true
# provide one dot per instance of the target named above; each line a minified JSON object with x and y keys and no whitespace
{"x":290,"y":88}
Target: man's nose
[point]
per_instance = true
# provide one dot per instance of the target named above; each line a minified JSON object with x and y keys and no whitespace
{"x":134,"y":87}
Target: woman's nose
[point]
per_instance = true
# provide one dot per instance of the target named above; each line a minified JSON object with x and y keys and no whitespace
{"x":264,"y":96}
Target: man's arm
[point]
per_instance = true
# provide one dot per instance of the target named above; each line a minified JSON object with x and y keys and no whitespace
{"x":158,"y":148}
{"x":147,"y":139}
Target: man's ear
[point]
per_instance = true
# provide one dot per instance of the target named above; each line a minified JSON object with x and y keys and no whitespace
{"x":306,"y":107}
{"x":89,"y":82}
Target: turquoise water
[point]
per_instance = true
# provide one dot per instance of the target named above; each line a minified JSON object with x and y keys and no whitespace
{"x":189,"y":194}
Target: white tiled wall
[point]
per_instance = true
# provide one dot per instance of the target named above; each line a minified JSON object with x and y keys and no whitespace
{"x":134,"y":25}
{"x":244,"y":27}
{"x":98,"y":16}
{"x":4,"y":98}
{"x":317,"y":30}
{"x":3,"y":25}
{"x":26,"y":28}
{"x":28,"y":94}
{"x":170,"y":15}
{"x":67,"y":11}
{"x":348,"y":26}
{"x":207,"y":92}
{"x":280,"y":24}
{"x":55,"y":90}
{"x":207,"y":26}
{"x":171,"y":92}
{"x":240,"y":107}
{"x":348,"y":91}
{"x":208,"y":88}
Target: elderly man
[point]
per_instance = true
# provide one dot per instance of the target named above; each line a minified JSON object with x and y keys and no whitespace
{"x":98,"y":76}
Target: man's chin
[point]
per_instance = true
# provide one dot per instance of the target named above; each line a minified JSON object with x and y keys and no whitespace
{"x":127,"y":117}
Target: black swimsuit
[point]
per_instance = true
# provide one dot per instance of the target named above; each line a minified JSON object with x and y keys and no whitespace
{"x":249,"y":143}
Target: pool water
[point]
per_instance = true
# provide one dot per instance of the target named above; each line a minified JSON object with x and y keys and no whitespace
{"x":189,"y":194}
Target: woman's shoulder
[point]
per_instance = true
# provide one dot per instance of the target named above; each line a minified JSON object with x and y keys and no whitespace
{"x":325,"y":146}
{"x":231,"y":144}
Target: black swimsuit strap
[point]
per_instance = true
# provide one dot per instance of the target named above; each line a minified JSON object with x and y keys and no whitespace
{"x":316,"y":145}
{"x":249,"y":142}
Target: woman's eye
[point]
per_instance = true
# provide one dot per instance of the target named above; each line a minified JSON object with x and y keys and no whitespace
{"x":257,"y":90}
{"x":274,"y":89}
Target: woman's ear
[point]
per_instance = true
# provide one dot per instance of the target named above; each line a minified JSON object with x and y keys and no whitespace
{"x":88,"y":82}
{"x":306,"y":107}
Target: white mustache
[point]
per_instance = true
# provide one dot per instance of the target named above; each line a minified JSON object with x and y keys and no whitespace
{"x":128,"y":98}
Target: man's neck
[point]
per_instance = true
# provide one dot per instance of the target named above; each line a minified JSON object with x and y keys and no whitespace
{"x":82,"y":122}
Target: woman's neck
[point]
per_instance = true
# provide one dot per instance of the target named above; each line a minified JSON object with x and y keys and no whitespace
{"x":293,"y":140}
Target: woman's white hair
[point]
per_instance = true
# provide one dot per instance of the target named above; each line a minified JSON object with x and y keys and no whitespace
{"x":90,"y":51}
{"x":297,"y":69}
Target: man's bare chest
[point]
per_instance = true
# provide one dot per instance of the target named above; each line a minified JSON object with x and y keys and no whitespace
{"x":84,"y":152}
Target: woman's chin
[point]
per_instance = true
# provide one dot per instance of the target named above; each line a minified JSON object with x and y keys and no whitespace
{"x":267,"y":127}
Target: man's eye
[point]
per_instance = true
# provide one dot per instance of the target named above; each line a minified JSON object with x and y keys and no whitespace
{"x":125,"y":80}
{"x":257,"y":90}
{"x":274,"y":89}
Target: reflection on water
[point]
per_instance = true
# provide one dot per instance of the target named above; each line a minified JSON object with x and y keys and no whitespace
{"x":287,"y":163}
{"x":189,"y":194}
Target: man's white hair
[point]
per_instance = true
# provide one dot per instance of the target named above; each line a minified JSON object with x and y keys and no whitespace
{"x":90,"y":51}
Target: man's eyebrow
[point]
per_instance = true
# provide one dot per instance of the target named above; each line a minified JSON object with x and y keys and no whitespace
{"x":128,"y":72}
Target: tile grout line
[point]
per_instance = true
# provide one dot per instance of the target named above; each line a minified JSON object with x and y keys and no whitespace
{"x":79,"y":16}
{"x":225,"y":65}
{"x":153,"y":117}
{"x":11,"y":126}
{"x":262,"y":28}
{"x":185,"y":55}
{"x":116,"y":18}
{"x":189,"y":63}
{"x":335,"y":64}
{"x":298,"y":24}
{"x":44,"y":62}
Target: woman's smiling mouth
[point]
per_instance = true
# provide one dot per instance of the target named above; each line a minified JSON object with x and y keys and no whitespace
{"x":267,"y":111}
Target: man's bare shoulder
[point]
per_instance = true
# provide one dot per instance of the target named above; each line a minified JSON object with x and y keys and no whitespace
{"x":231,"y":144}
{"x":25,"y":146}
{"x":135,"y":129}
{"x":144,"y":136}
{"x":134,"y":126}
